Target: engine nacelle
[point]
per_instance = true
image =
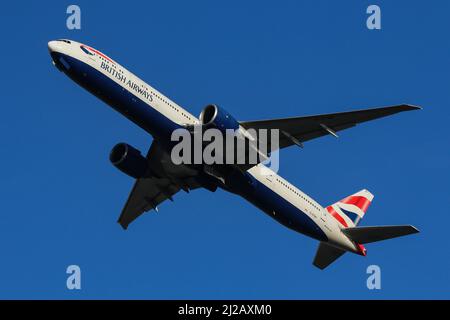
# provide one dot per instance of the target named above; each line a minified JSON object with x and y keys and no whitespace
{"x":218,"y":118}
{"x":129,"y":160}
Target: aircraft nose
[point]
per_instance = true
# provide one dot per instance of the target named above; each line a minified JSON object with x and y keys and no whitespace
{"x":56,"y":52}
{"x":52,"y":46}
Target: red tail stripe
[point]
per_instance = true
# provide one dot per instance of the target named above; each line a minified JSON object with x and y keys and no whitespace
{"x":337,"y":216}
{"x":359,"y":201}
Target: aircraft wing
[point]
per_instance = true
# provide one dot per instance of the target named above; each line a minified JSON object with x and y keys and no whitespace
{"x":148,"y":193}
{"x":300,"y":129}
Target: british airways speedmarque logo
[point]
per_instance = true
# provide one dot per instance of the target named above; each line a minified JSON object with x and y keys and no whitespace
{"x":90,"y":50}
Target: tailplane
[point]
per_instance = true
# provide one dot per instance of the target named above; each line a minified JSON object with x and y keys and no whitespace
{"x":372,"y":234}
{"x":326,"y":254}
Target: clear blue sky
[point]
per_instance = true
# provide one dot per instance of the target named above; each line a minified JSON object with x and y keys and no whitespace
{"x":61,"y":197}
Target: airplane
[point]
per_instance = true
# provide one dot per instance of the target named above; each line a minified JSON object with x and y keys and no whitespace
{"x":158,"y":178}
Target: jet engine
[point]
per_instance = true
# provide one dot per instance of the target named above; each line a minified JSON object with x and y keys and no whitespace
{"x":129,"y":160}
{"x":216,"y":117}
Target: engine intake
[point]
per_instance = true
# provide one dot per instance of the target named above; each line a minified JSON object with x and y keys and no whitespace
{"x":213,"y":115}
{"x":129,"y":160}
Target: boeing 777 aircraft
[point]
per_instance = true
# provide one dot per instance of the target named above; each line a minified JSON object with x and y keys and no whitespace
{"x":158,"y":178}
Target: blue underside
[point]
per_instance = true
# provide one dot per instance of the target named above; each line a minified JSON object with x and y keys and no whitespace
{"x":132,"y":107}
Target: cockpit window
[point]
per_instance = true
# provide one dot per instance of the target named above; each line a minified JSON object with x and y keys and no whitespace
{"x":86,"y":51}
{"x":64,"y":40}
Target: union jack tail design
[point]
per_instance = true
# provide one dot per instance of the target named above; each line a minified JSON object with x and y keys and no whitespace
{"x":351,"y":210}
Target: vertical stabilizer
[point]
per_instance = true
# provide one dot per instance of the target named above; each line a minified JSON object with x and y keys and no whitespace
{"x":349,"y":211}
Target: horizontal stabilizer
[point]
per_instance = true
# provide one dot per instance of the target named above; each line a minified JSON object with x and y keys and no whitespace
{"x":372,"y":234}
{"x":326,"y":255}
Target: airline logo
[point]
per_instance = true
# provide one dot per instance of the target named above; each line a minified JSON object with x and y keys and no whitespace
{"x":361,"y":202}
{"x":91,"y":51}
{"x":348,"y":211}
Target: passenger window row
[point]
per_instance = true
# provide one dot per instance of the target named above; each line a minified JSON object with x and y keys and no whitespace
{"x":172,"y":106}
{"x":298,"y":194}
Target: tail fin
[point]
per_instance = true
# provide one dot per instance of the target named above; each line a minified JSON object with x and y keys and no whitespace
{"x":351,"y":210}
{"x":326,"y":255}
{"x":372,"y":234}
